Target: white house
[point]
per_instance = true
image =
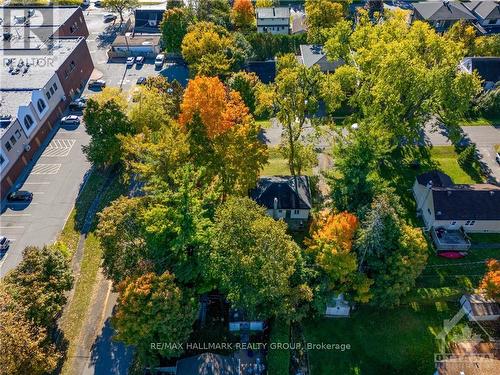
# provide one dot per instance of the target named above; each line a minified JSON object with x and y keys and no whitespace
{"x":338,"y":307}
{"x":275,"y":20}
{"x":474,"y":208}
{"x":284,"y":197}
{"x":480,"y":308}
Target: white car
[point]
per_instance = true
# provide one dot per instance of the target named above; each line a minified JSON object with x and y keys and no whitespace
{"x":160,"y":59}
{"x":70,"y":120}
{"x":4,"y":243}
{"x":130,"y":61}
{"x":497,"y":157}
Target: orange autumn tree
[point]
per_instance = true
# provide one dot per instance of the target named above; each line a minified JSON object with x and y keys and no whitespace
{"x":243,"y":14}
{"x":491,"y":280}
{"x":331,"y":241}
{"x":222,"y":135}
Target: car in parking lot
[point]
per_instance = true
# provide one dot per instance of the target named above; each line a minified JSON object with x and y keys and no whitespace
{"x":97,"y":3}
{"x":141,"y":80}
{"x":130,"y":61}
{"x":20,"y":196}
{"x":97,"y":84}
{"x":108,"y":17}
{"x":160,"y":59}
{"x":497,"y":157}
{"x":77,"y":105}
{"x":4,"y":243}
{"x":70,"y":120}
{"x":139,"y":60}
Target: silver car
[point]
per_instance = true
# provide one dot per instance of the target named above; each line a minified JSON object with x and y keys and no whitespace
{"x":70,"y":120}
{"x":4,"y":243}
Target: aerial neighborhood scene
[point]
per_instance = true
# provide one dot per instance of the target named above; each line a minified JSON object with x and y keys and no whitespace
{"x":249,"y":187}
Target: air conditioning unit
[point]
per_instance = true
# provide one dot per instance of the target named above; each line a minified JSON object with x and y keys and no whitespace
{"x":27,"y":148}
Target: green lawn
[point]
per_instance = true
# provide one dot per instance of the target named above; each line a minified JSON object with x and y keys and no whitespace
{"x":264,"y":124}
{"x":278,"y":360}
{"x":482,"y":121}
{"x":398,"y":341}
{"x":278,"y":165}
{"x":446,"y":159}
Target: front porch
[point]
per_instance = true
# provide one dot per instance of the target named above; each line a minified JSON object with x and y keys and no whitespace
{"x":450,"y":239}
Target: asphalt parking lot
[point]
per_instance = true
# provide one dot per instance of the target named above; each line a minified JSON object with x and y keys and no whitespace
{"x":54,"y":180}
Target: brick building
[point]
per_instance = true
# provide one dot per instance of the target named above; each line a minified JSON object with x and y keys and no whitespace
{"x":45,"y":62}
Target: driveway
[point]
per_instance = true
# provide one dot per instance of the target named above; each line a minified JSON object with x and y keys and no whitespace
{"x":485,"y":138}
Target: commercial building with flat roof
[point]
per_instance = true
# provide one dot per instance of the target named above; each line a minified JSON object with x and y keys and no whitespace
{"x":40,"y":72}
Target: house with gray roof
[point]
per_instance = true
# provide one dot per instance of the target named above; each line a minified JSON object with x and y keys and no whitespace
{"x":313,"y":54}
{"x":471,"y":208}
{"x":274,"y":20}
{"x":148,"y":20}
{"x":487,"y":14}
{"x":285,"y":197}
{"x":478,"y":307}
{"x":441,"y":14}
{"x":488,"y":69}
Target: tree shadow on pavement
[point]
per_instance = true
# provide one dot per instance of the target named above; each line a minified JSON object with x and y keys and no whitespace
{"x":108,"y":356}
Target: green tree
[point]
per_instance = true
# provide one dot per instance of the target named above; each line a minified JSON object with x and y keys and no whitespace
{"x":104,"y":122}
{"x":153,"y":309}
{"x":354,"y":180}
{"x":487,"y":45}
{"x":247,"y":85}
{"x":296,"y":95}
{"x":120,"y":6}
{"x":26,"y":348}
{"x":209,"y":49}
{"x":394,"y":253}
{"x":323,"y":14}
{"x":174,"y":27}
{"x":216,"y":11}
{"x":253,"y":259}
{"x":40,"y":283}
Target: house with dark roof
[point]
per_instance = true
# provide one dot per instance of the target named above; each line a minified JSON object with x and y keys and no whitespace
{"x":442,"y":204}
{"x":265,"y":70}
{"x":274,"y":20}
{"x":313,"y":54}
{"x":488,"y":69}
{"x":441,"y":14}
{"x":285,"y":197}
{"x":148,"y":21}
{"x":487,"y":14}
{"x":478,"y":307}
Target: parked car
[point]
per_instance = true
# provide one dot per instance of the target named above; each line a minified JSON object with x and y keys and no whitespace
{"x":160,"y":59}
{"x":85,"y":3}
{"x":4,"y":243}
{"x":70,"y":120}
{"x":497,"y":157}
{"x":20,"y":196}
{"x":130,"y":61}
{"x":77,"y":105}
{"x":139,"y":60}
{"x":108,"y":17}
{"x":97,"y":84}
{"x":97,"y":3}
{"x":141,"y":80}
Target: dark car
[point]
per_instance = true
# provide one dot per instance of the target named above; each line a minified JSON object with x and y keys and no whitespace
{"x":20,"y":196}
{"x":97,"y":84}
{"x":77,"y":105}
{"x":141,"y":80}
{"x":97,"y":3}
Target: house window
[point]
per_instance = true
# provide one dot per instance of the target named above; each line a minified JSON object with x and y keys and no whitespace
{"x":429,"y":211}
{"x":13,"y":140}
{"x":18,"y":134}
{"x":2,"y":159}
{"x":296,"y":212}
{"x":467,"y":222}
{"x":54,"y":86}
{"x":28,"y":121}
{"x":280,"y":211}
{"x":41,"y":105}
{"x":48,"y":95}
{"x":72,"y":66}
{"x":473,"y":222}
{"x":453,"y":222}
{"x":8,"y":146}
{"x":51,"y":91}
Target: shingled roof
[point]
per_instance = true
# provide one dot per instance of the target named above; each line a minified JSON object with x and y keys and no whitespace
{"x":488,"y":68}
{"x":486,"y":10}
{"x":436,"y":178}
{"x":443,"y":11}
{"x":283,"y":188}
{"x":208,"y":364}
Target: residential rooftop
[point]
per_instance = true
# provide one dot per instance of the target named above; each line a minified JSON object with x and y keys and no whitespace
{"x":19,"y":17}
{"x":274,"y":12}
{"x":441,"y":10}
{"x":484,"y":9}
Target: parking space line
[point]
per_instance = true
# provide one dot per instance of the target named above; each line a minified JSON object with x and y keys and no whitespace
{"x":13,"y":227}
{"x":14,"y":215}
{"x":46,"y":169}
{"x":59,"y":148}
{"x":37,"y":183}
